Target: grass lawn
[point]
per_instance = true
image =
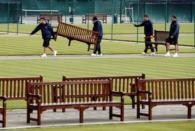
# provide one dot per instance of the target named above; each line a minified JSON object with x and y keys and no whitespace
{"x":117,"y":28}
{"x":53,"y":70}
{"x":125,"y":29}
{"x":171,"y":126}
{"x":26,"y":45}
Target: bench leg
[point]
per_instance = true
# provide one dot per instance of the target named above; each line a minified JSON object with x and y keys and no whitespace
{"x":110,"y":112}
{"x":4,"y":118}
{"x":81,"y":115}
{"x":122,"y":112}
{"x":104,"y":108}
{"x":149,"y":112}
{"x":63,"y":110}
{"x":38,"y":117}
{"x":189,"y":111}
{"x":28,"y":116}
{"x":143,"y":106}
{"x":138,"y":110}
{"x":133,"y":101}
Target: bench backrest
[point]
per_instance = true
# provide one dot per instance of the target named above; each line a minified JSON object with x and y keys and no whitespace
{"x":77,"y":33}
{"x":119,"y":83}
{"x":56,"y":16}
{"x":165,"y":89}
{"x":161,"y":36}
{"x":100,"y":16}
{"x":15,"y":88}
{"x":58,"y":92}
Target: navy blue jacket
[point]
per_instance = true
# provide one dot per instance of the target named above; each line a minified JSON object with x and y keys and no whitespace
{"x":98,"y":28}
{"x":46,"y":30}
{"x":174,"y":29}
{"x":148,"y":27}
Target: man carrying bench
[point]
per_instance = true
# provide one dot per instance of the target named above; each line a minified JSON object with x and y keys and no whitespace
{"x":148,"y":31}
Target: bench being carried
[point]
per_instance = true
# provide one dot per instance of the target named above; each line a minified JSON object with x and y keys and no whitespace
{"x":123,"y":84}
{"x":89,"y":17}
{"x":160,"y":39}
{"x":72,"y":32}
{"x":76,"y":95}
{"x":165,"y":92}
{"x":14,"y":89}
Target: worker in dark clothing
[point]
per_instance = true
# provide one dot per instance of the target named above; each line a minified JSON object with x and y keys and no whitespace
{"x":97,"y":28}
{"x":47,"y":35}
{"x":148,"y":31}
{"x":173,"y":37}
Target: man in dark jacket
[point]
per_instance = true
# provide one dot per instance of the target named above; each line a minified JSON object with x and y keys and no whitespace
{"x":148,"y":31}
{"x":98,"y":28}
{"x":173,"y":37}
{"x":47,"y":34}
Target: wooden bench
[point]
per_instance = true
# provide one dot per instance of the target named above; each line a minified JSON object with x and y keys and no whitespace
{"x":160,"y":39}
{"x":72,"y":32}
{"x":14,"y":89}
{"x":76,"y":95}
{"x":89,"y":17}
{"x":51,"y":17}
{"x":165,"y":92}
{"x":123,"y":84}
{"x":3,"y":111}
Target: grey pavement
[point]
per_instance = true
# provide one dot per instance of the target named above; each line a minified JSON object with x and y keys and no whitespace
{"x":35,"y":57}
{"x":17,"y":118}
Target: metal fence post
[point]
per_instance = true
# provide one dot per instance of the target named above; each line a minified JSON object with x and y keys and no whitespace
{"x":137,"y":20}
{"x":193,"y":13}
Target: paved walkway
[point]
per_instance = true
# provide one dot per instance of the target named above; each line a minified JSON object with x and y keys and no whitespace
{"x":17,"y":118}
{"x":184,"y":55}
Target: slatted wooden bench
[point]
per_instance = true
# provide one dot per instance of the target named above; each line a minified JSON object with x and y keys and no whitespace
{"x":156,"y":92}
{"x":14,"y":89}
{"x":160,"y":39}
{"x":123,"y":84}
{"x":89,"y":17}
{"x":72,"y":32}
{"x":76,"y":95}
{"x":3,"y":111}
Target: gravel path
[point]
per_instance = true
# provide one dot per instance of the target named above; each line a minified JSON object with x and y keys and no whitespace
{"x":92,"y":117}
{"x":184,"y":55}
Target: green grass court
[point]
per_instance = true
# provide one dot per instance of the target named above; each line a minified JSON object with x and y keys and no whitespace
{"x":171,"y":126}
{"x":53,"y":69}
{"x":125,"y":31}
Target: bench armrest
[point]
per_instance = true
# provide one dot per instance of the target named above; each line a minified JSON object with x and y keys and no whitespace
{"x":3,"y":98}
{"x":146,"y":92}
{"x":118,"y":94}
{"x":114,"y":93}
{"x":33,"y":96}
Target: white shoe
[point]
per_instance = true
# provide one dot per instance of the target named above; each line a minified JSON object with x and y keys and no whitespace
{"x":99,"y":55}
{"x":176,"y":55}
{"x":167,"y":54}
{"x":93,"y":55}
{"x":153,"y":54}
{"x":55,"y":53}
{"x":44,"y":55}
{"x":143,"y":53}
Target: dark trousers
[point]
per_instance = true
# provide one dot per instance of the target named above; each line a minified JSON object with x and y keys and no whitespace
{"x":98,"y":46}
{"x":148,"y":44}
